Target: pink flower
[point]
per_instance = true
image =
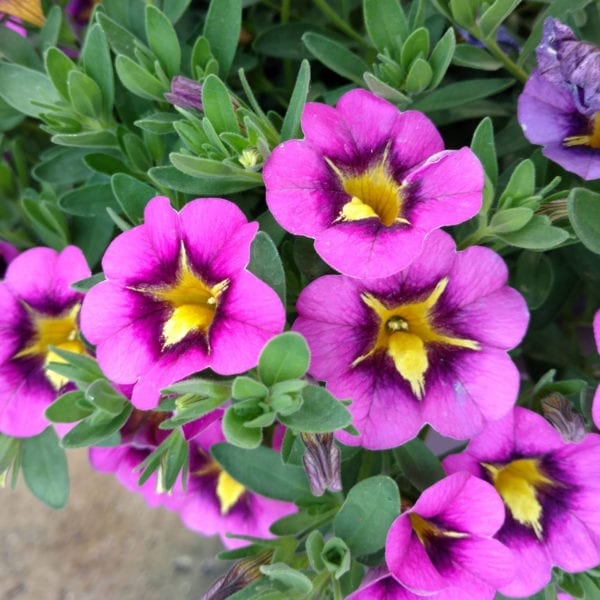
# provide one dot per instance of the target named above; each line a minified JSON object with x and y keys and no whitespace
{"x":7,"y":254}
{"x":369,"y":183}
{"x":596,"y":405}
{"x":428,"y":345}
{"x":551,"y":490}
{"x":178,"y":299}
{"x":38,"y":309}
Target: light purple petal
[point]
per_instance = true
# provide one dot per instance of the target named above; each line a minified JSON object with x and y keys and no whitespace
{"x":580,"y":160}
{"x":250,"y":316}
{"x":448,"y":189}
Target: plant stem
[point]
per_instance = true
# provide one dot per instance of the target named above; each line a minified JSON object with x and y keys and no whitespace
{"x":285,"y":10}
{"x":494,"y":49}
{"x":339,"y":22}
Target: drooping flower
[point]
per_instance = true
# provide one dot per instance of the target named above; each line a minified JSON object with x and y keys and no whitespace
{"x":427,"y":345}
{"x":185,"y":93}
{"x":322,"y":463}
{"x":560,"y":105}
{"x":596,"y":404}
{"x":29,"y":11}
{"x":551,"y":490}
{"x":7,"y":253}
{"x":38,"y":309}
{"x":178,"y":299}
{"x":559,"y":412}
{"x":369,"y":183}
{"x":215,"y":503}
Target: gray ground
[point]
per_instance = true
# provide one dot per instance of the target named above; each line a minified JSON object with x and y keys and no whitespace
{"x":106,"y":544}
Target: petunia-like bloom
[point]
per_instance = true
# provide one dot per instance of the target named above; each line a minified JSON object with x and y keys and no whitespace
{"x":596,"y":405}
{"x":445,"y":541}
{"x":29,"y":11}
{"x":427,"y":345}
{"x":560,"y":105}
{"x":551,"y":490}
{"x":178,"y":299}
{"x":213,"y":502}
{"x":7,"y":254}
{"x":38,"y":309}
{"x":369,"y":183}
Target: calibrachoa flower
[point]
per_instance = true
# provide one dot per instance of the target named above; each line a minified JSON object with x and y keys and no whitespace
{"x":427,"y":345}
{"x":551,"y":490}
{"x":445,"y":541}
{"x":7,"y":254}
{"x":178,"y":299}
{"x":596,"y":405}
{"x":185,"y":93}
{"x":560,"y":105}
{"x":215,"y":503}
{"x":369,"y":183}
{"x":38,"y":309}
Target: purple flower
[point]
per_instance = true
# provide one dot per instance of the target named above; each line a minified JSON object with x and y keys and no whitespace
{"x":427,"y":345}
{"x":185,"y":93}
{"x":81,"y":10}
{"x":596,"y":404}
{"x":560,"y":105}
{"x":551,"y":490}
{"x":369,"y":183}
{"x":445,"y":540}
{"x":38,"y":309}
{"x":178,"y":299}
{"x":7,"y":254}
{"x":215,"y":503}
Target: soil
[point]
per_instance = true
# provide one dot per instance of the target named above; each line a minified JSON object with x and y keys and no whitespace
{"x":106,"y":544}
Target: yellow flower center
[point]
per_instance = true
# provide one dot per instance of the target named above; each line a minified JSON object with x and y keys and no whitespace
{"x":192,"y":303}
{"x":26,"y":10}
{"x":373,"y":193}
{"x":229,"y":491}
{"x":60,"y":331}
{"x":518,"y":483}
{"x":590,"y":139}
{"x":426,"y":531}
{"x":404,"y":333}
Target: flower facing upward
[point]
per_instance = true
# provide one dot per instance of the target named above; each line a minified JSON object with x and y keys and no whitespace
{"x":426,"y":345}
{"x":551,"y":490}
{"x":38,"y":309}
{"x":369,"y":183}
{"x":178,"y":299}
{"x":560,"y":105}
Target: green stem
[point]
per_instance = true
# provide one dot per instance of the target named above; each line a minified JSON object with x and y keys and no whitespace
{"x":365,"y":466}
{"x":340,"y":23}
{"x":474,"y":238}
{"x":285,"y":10}
{"x":337,"y":589}
{"x":494,"y":49}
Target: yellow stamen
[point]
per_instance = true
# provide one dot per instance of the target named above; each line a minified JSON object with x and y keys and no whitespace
{"x":193,"y":303}
{"x":425,"y":530}
{"x":405,"y":332}
{"x":229,"y":491}
{"x":26,"y":10}
{"x":58,"y":331}
{"x":373,"y":193}
{"x":518,"y":483}
{"x":591,"y":139}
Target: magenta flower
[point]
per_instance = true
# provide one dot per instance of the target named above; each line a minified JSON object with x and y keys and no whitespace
{"x":7,"y":254}
{"x":445,"y":541}
{"x":427,"y":345}
{"x":38,"y":309}
{"x":215,"y":503}
{"x":596,"y":404}
{"x":560,"y":105}
{"x":178,"y":299}
{"x":369,"y":183}
{"x":551,"y":490}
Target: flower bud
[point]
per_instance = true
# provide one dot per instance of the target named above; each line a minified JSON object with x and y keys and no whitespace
{"x":558,"y":411}
{"x":185,"y":93}
{"x":322,"y":463}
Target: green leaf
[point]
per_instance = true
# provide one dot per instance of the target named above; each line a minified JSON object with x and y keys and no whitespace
{"x":89,"y":201}
{"x":222,"y":30}
{"x":538,"y":234}
{"x":289,"y":578}
{"x":456,"y":94}
{"x":335,"y":56}
{"x":484,"y":147}
{"x":285,"y":356}
{"x":104,"y":163}
{"x":45,"y":470}
{"x":92,"y":235}
{"x":380,"y":88}
{"x":314,"y":547}
{"x":91,"y":431}
{"x":61,"y":166}
{"x":584,"y":214}
{"x":20,"y":87}
{"x":262,"y":471}
{"x":218,"y":106}
{"x":84,"y":368}
{"x":245,"y":387}
{"x":441,"y":56}
{"x":283,"y":40}
{"x":237,"y":434}
{"x":520,"y":185}
{"x":416,"y":46}
{"x":69,"y":408}
{"x":367,"y":513}
{"x":87,"y":139}
{"x":266,"y":264}
{"x":492,"y":18}
{"x":510,"y":219}
{"x":159,"y":123}
{"x":336,"y":557}
{"x":18,"y":49}
{"x":174,"y":9}
{"x":291,"y":123}
{"x":464,"y":12}
{"x":95,"y":56}
{"x":132,"y":195}
{"x":534,"y":278}
{"x":119,"y":38}
{"x":228,"y":176}
{"x":419,"y":464}
{"x":419,"y":76}
{"x":466,"y":55}
{"x":386,"y":23}
{"x":83,"y":285}
{"x":174,"y":460}
{"x":138,"y":80}
{"x":50,"y":32}
{"x":163,"y":40}
{"x":320,"y":412}
{"x":103,"y":396}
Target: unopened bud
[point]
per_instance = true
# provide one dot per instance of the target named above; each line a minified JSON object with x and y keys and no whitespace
{"x":558,"y":411}
{"x":322,"y":463}
{"x":185,"y":93}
